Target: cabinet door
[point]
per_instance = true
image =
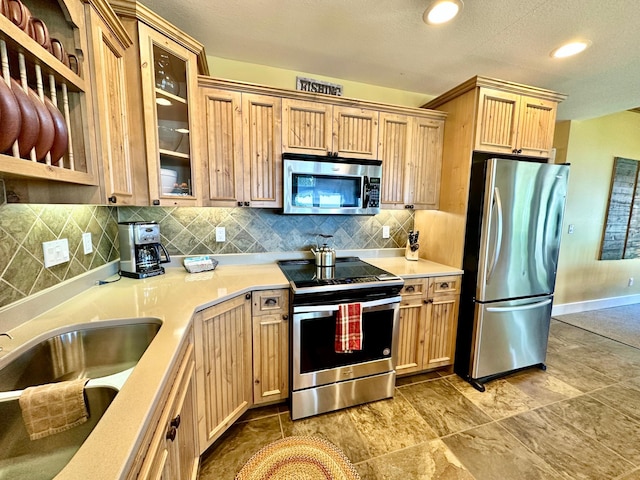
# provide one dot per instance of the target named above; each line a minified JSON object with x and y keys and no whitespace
{"x":223,"y":366}
{"x":111,"y":113}
{"x":412,"y":322}
{"x":425,"y":164}
{"x":223,"y":120}
{"x":394,"y":149}
{"x":169,"y":94}
{"x":441,"y":331}
{"x":262,"y":150}
{"x":536,"y":126}
{"x":355,"y":132}
{"x":306,"y":127}
{"x":498,"y":116}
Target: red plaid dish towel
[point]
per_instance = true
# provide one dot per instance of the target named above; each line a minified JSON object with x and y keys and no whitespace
{"x":348,"y":328}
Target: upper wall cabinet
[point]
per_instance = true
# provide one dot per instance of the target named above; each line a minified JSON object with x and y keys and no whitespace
{"x":411,"y":152}
{"x":243,"y":147}
{"x":323,"y":129}
{"x":515,"y":124}
{"x":162,"y":124}
{"x":47,"y":133}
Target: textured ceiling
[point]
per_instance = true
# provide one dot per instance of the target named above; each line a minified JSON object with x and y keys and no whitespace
{"x":385,"y":42}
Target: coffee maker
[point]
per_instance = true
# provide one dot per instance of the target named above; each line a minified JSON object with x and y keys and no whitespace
{"x":140,"y":249}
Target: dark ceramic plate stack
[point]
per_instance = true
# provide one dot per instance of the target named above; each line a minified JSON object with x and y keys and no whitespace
{"x":33,"y":121}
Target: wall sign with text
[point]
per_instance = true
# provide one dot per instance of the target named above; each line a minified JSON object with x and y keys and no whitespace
{"x":318,"y":86}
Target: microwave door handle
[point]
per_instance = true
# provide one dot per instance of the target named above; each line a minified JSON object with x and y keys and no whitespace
{"x":367,"y":188}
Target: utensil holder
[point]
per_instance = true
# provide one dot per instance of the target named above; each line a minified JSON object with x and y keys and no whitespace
{"x":410,"y":254}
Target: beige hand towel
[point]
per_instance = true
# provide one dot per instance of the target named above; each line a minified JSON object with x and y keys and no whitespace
{"x":53,"y":408}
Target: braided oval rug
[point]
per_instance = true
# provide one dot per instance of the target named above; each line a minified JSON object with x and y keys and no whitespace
{"x":299,"y":458}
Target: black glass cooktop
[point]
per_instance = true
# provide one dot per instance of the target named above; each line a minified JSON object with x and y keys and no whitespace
{"x":347,"y":271}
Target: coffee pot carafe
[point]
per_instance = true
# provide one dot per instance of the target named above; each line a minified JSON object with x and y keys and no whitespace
{"x":141,"y":253}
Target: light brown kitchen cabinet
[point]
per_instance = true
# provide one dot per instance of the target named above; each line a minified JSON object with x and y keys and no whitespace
{"x":108,"y":46}
{"x":173,"y":452}
{"x":427,"y":323}
{"x":486,"y":116}
{"x":243,"y":148}
{"x":223,"y":366}
{"x":163,"y":107}
{"x":515,"y":124}
{"x":321,"y":129}
{"x":270,"y":346}
{"x":411,"y":152}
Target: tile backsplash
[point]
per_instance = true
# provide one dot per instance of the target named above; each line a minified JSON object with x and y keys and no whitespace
{"x":191,"y":231}
{"x":185,"y":231}
{"x":23,"y":228}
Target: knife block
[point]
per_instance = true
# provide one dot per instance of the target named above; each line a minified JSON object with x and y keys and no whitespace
{"x":410,"y":255}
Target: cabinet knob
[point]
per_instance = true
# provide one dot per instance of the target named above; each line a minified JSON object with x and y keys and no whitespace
{"x":171,"y":433}
{"x":112,"y":199}
{"x":156,"y":202}
{"x":248,"y":296}
{"x":247,"y":204}
{"x":410,"y":207}
{"x":239,"y":204}
{"x":285,"y":317}
{"x":175,"y":422}
{"x":427,"y":302}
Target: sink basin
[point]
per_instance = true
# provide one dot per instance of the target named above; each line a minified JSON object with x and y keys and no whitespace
{"x":22,"y":458}
{"x":92,"y":351}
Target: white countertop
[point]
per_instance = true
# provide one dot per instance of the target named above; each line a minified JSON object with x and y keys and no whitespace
{"x":172,"y":298}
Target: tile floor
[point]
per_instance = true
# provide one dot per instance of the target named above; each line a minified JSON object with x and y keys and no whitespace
{"x":578,"y":420}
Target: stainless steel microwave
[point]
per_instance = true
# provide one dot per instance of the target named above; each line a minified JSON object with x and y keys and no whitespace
{"x":331,"y":185}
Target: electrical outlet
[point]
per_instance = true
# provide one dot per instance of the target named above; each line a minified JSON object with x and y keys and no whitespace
{"x":87,"y":246}
{"x":570,"y":230}
{"x":385,"y":231}
{"x":55,"y":252}
{"x":221,"y":234}
{"x":630,"y":284}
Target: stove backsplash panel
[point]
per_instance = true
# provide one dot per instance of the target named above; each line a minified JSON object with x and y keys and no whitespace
{"x":191,"y":231}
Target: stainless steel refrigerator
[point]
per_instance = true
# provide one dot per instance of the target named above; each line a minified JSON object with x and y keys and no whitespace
{"x":514,"y":226}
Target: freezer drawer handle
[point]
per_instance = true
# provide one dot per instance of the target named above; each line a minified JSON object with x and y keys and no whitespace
{"x":523,"y":307}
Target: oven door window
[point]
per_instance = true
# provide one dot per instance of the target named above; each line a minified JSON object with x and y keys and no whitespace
{"x":317,"y":341}
{"x":325,"y":191}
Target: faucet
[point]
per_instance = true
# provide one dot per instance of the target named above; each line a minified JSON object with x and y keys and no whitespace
{"x":6,"y":335}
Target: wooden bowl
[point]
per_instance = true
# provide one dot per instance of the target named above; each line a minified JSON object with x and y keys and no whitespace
{"x":58,"y":51}
{"x":10,"y":117}
{"x":61,"y":138}
{"x":30,"y":126}
{"x":47,"y":129}
{"x":37,"y":30}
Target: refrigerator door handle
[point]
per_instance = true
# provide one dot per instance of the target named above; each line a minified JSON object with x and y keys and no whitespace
{"x":498,"y":245}
{"x":520,"y":308}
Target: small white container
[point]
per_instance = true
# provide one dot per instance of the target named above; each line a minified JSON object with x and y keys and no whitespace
{"x":169,"y":178}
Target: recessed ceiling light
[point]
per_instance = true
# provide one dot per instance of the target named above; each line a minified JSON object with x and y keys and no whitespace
{"x":569,"y":49}
{"x":441,"y":11}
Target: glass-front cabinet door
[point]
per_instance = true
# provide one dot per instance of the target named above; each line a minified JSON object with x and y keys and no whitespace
{"x":169,"y":77}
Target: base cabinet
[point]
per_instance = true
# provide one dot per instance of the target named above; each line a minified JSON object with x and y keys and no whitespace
{"x":173,"y":451}
{"x":428,"y":321}
{"x":223,"y":366}
{"x":270,"y":346}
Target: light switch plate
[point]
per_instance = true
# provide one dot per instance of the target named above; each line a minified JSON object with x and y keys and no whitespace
{"x":385,"y":231}
{"x":87,"y":246}
{"x":55,"y":252}
{"x":221,"y":234}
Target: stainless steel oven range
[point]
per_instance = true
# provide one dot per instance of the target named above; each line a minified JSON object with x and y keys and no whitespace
{"x":321,"y":379}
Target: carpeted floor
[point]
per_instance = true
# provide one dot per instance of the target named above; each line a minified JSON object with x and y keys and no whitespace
{"x":618,"y":323}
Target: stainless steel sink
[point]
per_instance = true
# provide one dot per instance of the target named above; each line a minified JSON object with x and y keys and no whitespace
{"x":87,"y":352}
{"x":22,"y":458}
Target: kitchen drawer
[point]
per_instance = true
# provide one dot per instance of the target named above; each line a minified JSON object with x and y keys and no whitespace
{"x":267,"y":302}
{"x":414,"y":288}
{"x":449,"y":284}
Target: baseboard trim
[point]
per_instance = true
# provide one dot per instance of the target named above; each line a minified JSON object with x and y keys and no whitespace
{"x":588,"y":305}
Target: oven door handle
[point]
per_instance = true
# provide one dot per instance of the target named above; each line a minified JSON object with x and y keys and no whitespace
{"x":335,"y":307}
